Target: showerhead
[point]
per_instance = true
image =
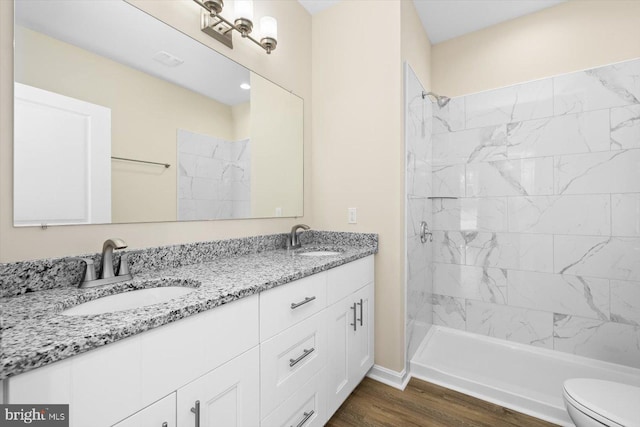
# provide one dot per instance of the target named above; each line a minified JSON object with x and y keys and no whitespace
{"x":440,"y":100}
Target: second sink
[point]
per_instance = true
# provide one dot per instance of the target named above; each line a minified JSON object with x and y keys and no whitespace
{"x":128,"y":300}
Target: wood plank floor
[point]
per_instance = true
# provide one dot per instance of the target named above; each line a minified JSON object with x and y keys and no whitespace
{"x":373,"y":404}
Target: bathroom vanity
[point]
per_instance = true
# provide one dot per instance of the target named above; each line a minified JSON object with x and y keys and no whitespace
{"x":251,"y":347}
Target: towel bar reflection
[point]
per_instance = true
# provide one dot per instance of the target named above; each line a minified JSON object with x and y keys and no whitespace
{"x":166,"y":165}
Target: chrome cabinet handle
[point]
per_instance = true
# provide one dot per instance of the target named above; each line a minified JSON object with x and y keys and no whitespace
{"x":196,"y":411}
{"x":165,"y":424}
{"x":295,"y":305}
{"x":354,"y":317}
{"x":360,"y":304}
{"x":305,"y":353}
{"x":307,"y":415}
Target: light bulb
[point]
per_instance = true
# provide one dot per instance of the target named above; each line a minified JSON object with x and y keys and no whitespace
{"x":243,"y":9}
{"x":269,"y":27}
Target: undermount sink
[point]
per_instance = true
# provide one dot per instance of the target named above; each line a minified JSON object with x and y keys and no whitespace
{"x":319,"y":253}
{"x":128,"y":300}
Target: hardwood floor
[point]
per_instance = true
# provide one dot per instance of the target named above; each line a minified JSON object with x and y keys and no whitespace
{"x":374,"y":404}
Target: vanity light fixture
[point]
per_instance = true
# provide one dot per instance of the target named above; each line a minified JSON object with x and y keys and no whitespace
{"x":221,"y":29}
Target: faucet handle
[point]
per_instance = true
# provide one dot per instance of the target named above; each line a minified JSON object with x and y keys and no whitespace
{"x":89,"y":271}
{"x":123,"y":268}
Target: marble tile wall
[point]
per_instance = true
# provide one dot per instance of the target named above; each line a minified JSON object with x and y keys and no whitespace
{"x":418,"y":273}
{"x":542,"y":245}
{"x":214,"y":179}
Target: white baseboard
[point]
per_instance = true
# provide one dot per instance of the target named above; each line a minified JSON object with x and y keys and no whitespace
{"x":391,"y":378}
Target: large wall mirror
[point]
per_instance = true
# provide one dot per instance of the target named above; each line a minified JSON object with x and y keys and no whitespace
{"x":121,"y":118}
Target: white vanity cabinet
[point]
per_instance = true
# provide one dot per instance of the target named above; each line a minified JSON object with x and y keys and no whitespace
{"x":226,"y":396}
{"x":106,"y":385}
{"x":350,"y":323}
{"x":317,"y":356}
{"x":160,"y":414}
{"x":288,"y":356}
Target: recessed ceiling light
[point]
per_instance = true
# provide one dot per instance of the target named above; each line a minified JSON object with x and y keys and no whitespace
{"x":245,"y":86}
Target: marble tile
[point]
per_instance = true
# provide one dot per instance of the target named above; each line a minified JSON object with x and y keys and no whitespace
{"x":587,"y":215}
{"x":604,"y":257}
{"x":625,"y":127}
{"x":461,"y":281}
{"x":607,"y":172}
{"x":204,"y":189}
{"x":575,"y":295}
{"x":449,"y":118}
{"x":625,"y":302}
{"x":187,"y":164}
{"x":418,"y":256}
{"x":598,"y":88}
{"x":625,"y":214}
{"x":196,"y":144}
{"x":448,"y":181}
{"x":523,"y":177}
{"x":573,"y":133}
{"x":418,"y":177}
{"x":526,"y":101}
{"x":473,"y":145}
{"x":533,"y":252}
{"x":448,"y":247}
{"x":510,"y":323}
{"x":184,"y":187}
{"x":612,"y":342}
{"x":482,"y":214}
{"x":449,"y":312}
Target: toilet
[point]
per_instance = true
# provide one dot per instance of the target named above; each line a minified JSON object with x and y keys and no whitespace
{"x":596,"y":403}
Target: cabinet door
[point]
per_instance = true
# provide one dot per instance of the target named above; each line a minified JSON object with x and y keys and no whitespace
{"x":227,"y":396}
{"x":160,"y":414}
{"x":361,"y":347}
{"x":306,"y":408}
{"x":340,"y":321}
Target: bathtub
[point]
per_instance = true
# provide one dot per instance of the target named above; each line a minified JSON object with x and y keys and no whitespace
{"x":521,"y":377}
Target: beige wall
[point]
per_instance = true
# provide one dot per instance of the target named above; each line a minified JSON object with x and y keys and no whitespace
{"x":357,"y":147}
{"x":146,"y":113}
{"x":275,"y":136}
{"x":573,"y":36}
{"x":288,"y":66}
{"x":241,"y":121}
{"x":416,"y":47}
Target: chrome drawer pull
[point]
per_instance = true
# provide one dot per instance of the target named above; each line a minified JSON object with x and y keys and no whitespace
{"x":307,"y":415}
{"x":165,"y":424}
{"x":360,"y":304}
{"x":196,"y":411}
{"x":305,"y":353}
{"x":354,"y":324}
{"x":295,"y":305}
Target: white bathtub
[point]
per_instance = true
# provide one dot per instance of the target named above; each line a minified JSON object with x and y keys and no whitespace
{"x":521,"y":377}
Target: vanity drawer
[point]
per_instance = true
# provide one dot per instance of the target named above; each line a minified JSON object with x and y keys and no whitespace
{"x":306,"y":408}
{"x":348,"y":278}
{"x":291,"y":359}
{"x":284,"y":306}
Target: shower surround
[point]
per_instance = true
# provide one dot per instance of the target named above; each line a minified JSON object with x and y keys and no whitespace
{"x":542,"y":244}
{"x":214,"y":180}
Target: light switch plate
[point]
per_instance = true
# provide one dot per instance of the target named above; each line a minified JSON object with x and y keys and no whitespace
{"x":352,"y":217}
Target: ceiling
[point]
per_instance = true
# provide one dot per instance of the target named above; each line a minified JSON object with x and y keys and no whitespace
{"x":447,"y":19}
{"x":125,"y":34}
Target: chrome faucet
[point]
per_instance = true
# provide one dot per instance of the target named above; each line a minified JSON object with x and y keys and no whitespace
{"x":294,"y":242}
{"x":107,"y":276}
{"x":107,"y":256}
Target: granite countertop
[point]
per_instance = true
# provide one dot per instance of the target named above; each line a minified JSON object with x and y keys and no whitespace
{"x":35,"y":334}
